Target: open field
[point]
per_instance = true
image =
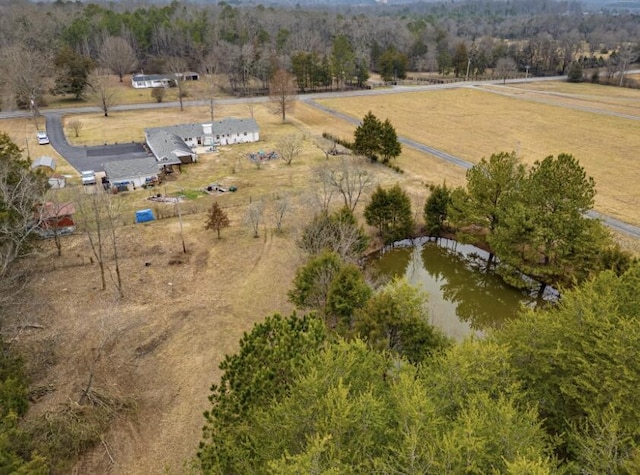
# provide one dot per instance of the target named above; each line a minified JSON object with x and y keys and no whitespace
{"x":161,"y":344}
{"x":473,"y":124}
{"x":585,"y":95}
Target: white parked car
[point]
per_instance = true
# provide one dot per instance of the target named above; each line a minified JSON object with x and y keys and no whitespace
{"x":42,"y":137}
{"x":88,"y":177}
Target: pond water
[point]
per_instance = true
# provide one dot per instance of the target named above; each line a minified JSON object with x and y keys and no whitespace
{"x":463,"y":298}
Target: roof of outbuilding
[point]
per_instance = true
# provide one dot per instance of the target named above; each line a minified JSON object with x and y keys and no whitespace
{"x":50,"y":210}
{"x":126,"y":169}
{"x":44,"y":161}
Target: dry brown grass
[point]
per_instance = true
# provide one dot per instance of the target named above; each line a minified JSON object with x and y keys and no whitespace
{"x":162,"y":343}
{"x":23,"y":133}
{"x":473,"y":124}
{"x":126,"y":94}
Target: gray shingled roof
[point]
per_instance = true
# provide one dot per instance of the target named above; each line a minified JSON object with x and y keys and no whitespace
{"x":231,"y":125}
{"x":181,"y":130}
{"x":167,"y":143}
{"x":128,"y":169}
{"x":167,"y":146}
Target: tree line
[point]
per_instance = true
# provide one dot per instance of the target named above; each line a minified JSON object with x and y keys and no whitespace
{"x":322,"y":48}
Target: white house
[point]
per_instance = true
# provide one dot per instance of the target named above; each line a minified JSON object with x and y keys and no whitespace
{"x":143,"y":81}
{"x":174,"y":145}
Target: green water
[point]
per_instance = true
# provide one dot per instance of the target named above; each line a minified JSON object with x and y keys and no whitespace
{"x":463,"y":298}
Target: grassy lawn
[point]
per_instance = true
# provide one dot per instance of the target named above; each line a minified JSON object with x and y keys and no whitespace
{"x":126,"y":94}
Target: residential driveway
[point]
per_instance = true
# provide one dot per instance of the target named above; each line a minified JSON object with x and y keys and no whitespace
{"x":88,"y":158}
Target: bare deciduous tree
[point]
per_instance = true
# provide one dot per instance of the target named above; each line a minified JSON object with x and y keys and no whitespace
{"x":348,"y":177}
{"x":75,"y":125}
{"x":177,"y":67}
{"x":253,"y":216}
{"x":117,"y":55}
{"x":23,"y":77}
{"x":281,"y":206}
{"x":282,"y":93}
{"x":102,"y":91}
{"x":252,"y":106}
{"x":323,"y":190}
{"x":99,"y":220}
{"x":289,"y":147}
{"x":505,"y":66}
{"x":20,"y":192}
{"x":208,"y":70}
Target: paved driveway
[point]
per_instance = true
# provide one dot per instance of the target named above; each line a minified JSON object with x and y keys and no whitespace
{"x":88,"y":158}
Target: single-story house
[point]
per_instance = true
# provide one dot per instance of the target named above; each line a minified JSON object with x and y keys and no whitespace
{"x":132,"y":173}
{"x":44,"y":163}
{"x":54,"y":218}
{"x":143,"y":81}
{"x":231,"y":131}
{"x":173,"y":145}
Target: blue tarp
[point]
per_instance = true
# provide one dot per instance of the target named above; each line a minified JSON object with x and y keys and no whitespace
{"x":144,"y":215}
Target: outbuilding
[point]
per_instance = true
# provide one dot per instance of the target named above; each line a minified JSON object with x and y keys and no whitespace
{"x":54,"y":218}
{"x":46,"y":163}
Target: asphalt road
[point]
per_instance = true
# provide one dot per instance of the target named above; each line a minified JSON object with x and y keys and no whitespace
{"x":93,"y":158}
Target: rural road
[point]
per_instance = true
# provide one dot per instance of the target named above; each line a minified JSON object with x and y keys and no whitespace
{"x":93,"y":158}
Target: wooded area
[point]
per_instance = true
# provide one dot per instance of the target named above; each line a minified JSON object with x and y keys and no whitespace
{"x":328,"y":48}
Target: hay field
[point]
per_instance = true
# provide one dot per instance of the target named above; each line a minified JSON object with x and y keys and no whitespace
{"x":472,"y":124}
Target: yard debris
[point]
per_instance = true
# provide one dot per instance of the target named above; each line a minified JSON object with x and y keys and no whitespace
{"x":215,"y":188}
{"x":159,"y":198}
{"x":263,"y":156}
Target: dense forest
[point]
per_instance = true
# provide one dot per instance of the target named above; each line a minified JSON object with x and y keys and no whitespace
{"x":322,"y":47}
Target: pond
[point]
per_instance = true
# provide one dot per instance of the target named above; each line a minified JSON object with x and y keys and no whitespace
{"x":464,"y":299}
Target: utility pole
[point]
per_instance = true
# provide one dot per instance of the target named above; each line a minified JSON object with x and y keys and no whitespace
{"x":184,"y":248}
{"x":468,"y":67}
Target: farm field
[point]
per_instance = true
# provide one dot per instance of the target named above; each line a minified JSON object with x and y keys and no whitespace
{"x":472,"y":124}
{"x":160,"y":345}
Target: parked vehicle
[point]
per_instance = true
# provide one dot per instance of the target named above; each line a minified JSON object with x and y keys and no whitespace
{"x":88,"y":177}
{"x":42,"y":137}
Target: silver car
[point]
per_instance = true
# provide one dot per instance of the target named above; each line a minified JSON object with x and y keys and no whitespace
{"x":42,"y":137}
{"x":88,"y":177}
